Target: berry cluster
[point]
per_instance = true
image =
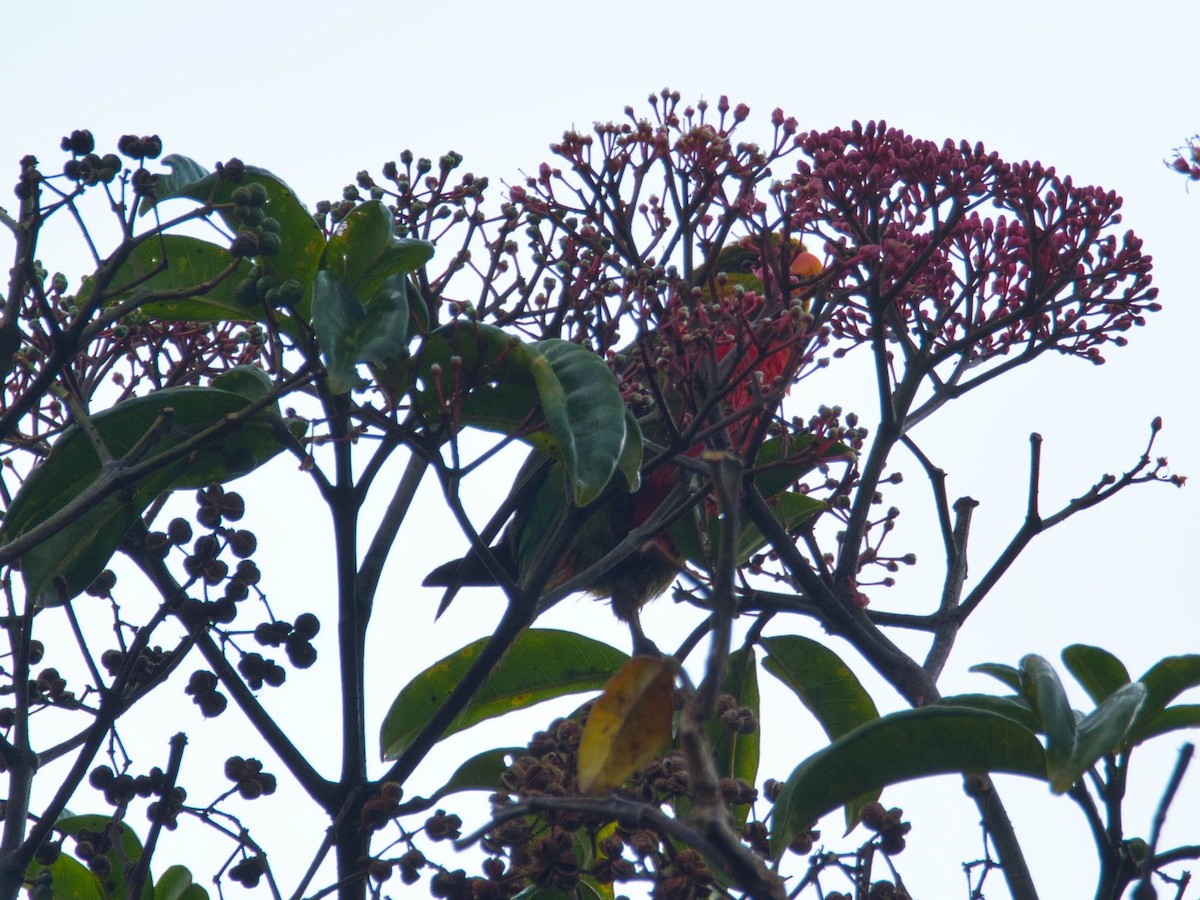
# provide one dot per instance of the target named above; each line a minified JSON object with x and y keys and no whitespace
{"x":249,"y":870}
{"x":258,"y":234}
{"x":202,"y":687}
{"x":260,"y":287}
{"x":296,"y":638}
{"x":250,"y":780}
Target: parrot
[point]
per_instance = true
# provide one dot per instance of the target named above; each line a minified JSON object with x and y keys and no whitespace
{"x":540,"y":495}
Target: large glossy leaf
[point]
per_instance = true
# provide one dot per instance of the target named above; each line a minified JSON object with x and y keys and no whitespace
{"x":479,"y":773}
{"x":542,"y":664}
{"x":490,"y":379}
{"x":822,"y":681}
{"x":1096,"y":669}
{"x":1164,"y":681}
{"x":63,"y":565}
{"x":917,"y":743}
{"x":175,"y":262}
{"x":303,"y":241}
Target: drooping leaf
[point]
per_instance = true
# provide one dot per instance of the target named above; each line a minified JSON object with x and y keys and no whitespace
{"x":628,"y":726}
{"x":175,"y":262}
{"x":1044,"y":692}
{"x":66,"y":563}
{"x":489,"y":379}
{"x":1164,"y":681}
{"x":542,"y":664}
{"x":1096,"y":669}
{"x":479,"y":773}
{"x":916,"y":743}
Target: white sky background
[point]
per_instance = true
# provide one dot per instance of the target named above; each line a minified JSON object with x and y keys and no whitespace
{"x":1103,"y":91}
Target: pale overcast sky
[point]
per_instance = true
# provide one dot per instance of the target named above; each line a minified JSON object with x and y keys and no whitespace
{"x":1103,"y":91}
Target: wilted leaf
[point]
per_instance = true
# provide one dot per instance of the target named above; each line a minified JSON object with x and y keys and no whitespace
{"x":629,"y":724}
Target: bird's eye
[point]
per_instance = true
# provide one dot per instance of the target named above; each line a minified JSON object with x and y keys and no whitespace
{"x":748,"y":265}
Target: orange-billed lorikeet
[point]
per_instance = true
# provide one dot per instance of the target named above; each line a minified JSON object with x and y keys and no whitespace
{"x":767,"y":350}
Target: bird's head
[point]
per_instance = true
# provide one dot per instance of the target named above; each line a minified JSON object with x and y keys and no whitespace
{"x":755,"y":263}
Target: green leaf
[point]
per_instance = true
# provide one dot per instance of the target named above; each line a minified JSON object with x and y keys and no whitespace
{"x":70,"y":879}
{"x":359,"y":241}
{"x":1164,"y":681}
{"x":65,"y":564}
{"x":1097,"y":670}
{"x":582,"y":403}
{"x":1014,"y":707}
{"x":1173,"y":718}
{"x":1098,"y":734}
{"x":126,"y":851}
{"x":916,"y":743}
{"x":479,"y":773}
{"x":828,"y":689}
{"x":737,"y":755}
{"x":176,"y":884}
{"x":485,"y":379}
{"x":303,"y":240}
{"x":1007,"y":675}
{"x":174,"y":262}
{"x":1041,"y":687}
{"x":350,"y":333}
{"x":183,"y":171}
{"x":630,"y":463}
{"x":822,"y":681}
{"x":782,"y":461}
{"x":542,"y":664}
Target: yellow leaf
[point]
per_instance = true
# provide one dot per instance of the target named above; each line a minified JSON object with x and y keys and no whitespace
{"x":628,"y":725}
